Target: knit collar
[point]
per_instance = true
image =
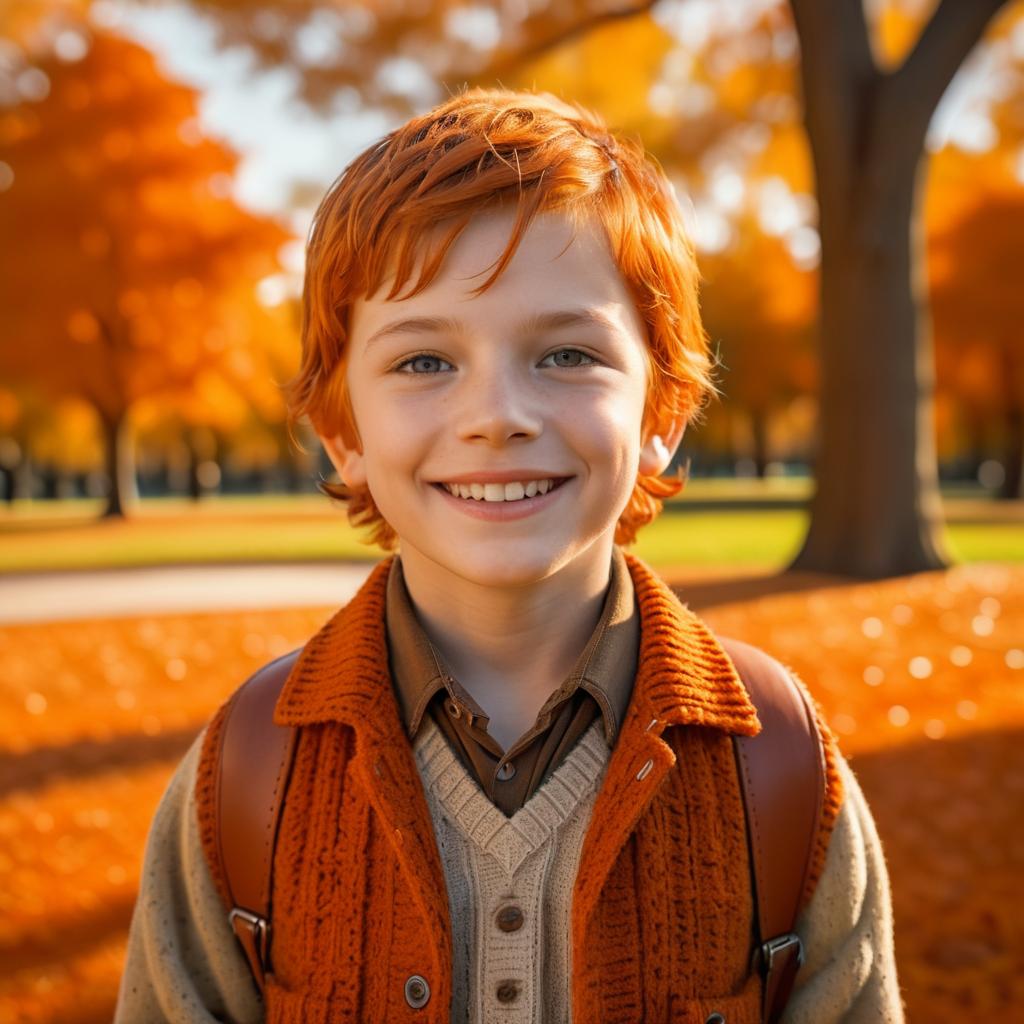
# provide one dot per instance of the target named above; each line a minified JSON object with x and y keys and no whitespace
{"x":684,"y":677}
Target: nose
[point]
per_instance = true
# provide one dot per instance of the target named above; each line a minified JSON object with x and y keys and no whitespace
{"x":497,"y":407}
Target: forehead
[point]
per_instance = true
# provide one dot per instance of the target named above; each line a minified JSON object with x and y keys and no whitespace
{"x":558,"y":262}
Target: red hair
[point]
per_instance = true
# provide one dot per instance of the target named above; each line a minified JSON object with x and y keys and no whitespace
{"x":482,"y":148}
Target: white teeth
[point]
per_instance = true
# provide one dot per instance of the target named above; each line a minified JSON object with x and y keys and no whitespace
{"x":514,"y":491}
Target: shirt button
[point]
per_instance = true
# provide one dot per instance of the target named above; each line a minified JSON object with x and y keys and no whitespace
{"x":510,"y":919}
{"x":508,"y":991}
{"x":417,"y":991}
{"x":506,"y":771}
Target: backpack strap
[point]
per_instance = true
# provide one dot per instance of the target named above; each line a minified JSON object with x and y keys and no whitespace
{"x":254,"y":761}
{"x":782,"y":775}
{"x":781,"y":772}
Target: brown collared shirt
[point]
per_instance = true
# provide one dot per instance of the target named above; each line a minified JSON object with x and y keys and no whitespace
{"x":600,"y":683}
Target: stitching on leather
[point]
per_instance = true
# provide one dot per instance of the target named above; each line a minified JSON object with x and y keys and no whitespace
{"x":218,"y":795}
{"x":274,"y":818}
{"x":268,"y":830}
{"x":822,"y":781}
{"x":755,"y":828}
{"x":753,"y":823}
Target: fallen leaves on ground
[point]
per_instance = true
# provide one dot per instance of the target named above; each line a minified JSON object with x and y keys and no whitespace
{"x":921,"y":677}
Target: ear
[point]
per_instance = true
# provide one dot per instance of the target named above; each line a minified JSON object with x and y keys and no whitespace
{"x":658,"y":450}
{"x":349,"y":462}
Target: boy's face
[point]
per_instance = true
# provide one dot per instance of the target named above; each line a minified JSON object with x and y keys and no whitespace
{"x":486,"y":395}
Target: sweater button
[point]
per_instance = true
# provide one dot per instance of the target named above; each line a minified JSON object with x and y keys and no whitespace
{"x":510,"y":919}
{"x":417,"y":991}
{"x":715,"y":1018}
{"x":508,"y":991}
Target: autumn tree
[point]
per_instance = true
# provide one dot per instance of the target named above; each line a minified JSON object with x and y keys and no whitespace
{"x":125,"y":242}
{"x":876,"y":509}
{"x":978,"y":319}
{"x":759,"y":309}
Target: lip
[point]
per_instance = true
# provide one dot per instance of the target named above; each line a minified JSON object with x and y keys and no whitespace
{"x":503,"y":476}
{"x":502,"y":511}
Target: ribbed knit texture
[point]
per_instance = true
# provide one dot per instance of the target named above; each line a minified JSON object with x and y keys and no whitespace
{"x":661,"y":912}
{"x":528,"y":861}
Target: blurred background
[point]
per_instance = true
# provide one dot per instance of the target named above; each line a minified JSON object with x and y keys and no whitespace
{"x":853,"y":178}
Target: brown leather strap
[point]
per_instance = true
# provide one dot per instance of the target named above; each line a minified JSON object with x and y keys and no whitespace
{"x":254,"y":763}
{"x":782,"y":772}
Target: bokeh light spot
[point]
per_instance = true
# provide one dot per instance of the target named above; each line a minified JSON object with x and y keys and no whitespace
{"x":961,"y":656}
{"x":920,"y":667}
{"x":967,"y":710}
{"x":982,"y":625}
{"x":845,"y":725}
{"x":902,"y":614}
{"x":872,"y":627}
{"x":176,"y":669}
{"x":898,"y":715}
{"x":873,"y":675}
{"x":35,"y":704}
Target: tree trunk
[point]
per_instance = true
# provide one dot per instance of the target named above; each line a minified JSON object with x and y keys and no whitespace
{"x":976,"y":429}
{"x":759,"y":429}
{"x":1013,"y":459}
{"x":120,"y":466}
{"x":195,"y":488}
{"x":876,"y":510}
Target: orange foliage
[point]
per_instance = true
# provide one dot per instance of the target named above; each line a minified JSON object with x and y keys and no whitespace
{"x":125,"y":246}
{"x":761,"y":308}
{"x":920,"y":677}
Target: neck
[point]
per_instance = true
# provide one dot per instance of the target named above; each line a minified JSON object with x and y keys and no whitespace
{"x":510,"y":645}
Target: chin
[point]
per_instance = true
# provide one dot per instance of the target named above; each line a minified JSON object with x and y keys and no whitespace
{"x":495,"y":565}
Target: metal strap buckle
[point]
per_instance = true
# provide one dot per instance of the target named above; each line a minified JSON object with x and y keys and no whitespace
{"x":780,"y":944}
{"x":257,"y":928}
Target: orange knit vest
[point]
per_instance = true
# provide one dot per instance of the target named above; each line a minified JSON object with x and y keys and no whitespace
{"x":662,"y":911}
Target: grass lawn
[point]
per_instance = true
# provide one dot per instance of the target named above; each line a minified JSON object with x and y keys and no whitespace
{"x":716,"y":523}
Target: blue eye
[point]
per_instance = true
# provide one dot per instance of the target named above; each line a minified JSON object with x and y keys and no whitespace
{"x":570,"y":352}
{"x":415,"y":364}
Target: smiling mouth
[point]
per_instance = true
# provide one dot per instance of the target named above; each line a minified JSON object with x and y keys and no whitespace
{"x":498,"y":493}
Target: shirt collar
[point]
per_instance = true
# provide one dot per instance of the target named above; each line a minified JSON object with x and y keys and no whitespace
{"x":605,"y":667}
{"x":684,"y":676}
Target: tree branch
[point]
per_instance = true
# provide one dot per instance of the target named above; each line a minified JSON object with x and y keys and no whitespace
{"x":913,"y":91}
{"x":505,"y":63}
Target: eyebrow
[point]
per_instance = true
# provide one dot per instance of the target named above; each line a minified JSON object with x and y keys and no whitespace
{"x":535,"y":323}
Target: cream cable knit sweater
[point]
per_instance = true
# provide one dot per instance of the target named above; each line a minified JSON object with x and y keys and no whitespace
{"x":184,"y":966}
{"x":528,"y":862}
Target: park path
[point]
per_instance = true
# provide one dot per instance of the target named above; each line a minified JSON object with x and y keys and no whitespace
{"x":112,"y":593}
{"x":103,"y":593}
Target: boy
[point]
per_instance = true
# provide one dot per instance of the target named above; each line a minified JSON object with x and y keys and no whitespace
{"x":513,"y":795}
